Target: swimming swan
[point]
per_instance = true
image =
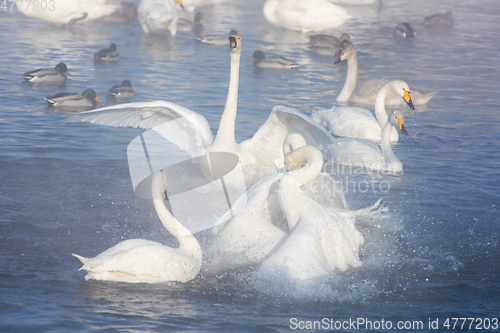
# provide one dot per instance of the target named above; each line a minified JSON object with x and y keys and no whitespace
{"x":259,"y":156}
{"x":158,"y":15}
{"x":63,"y":12}
{"x":304,"y":15}
{"x":367,"y":154}
{"x":321,"y":240}
{"x":356,"y":122}
{"x":366,"y":92}
{"x":140,"y":260}
{"x":251,"y":235}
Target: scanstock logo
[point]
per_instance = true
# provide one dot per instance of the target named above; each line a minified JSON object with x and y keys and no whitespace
{"x":203,"y":189}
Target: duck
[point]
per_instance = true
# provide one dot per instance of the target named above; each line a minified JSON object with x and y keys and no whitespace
{"x":158,"y":15}
{"x":361,"y":123}
{"x":261,"y":61}
{"x":304,"y":15}
{"x":107,"y":55}
{"x":145,"y":261}
{"x":439,"y":20}
{"x":216,"y":40}
{"x":365,"y":155}
{"x":196,"y":27}
{"x":405,"y":30}
{"x":365,"y":92}
{"x":254,"y":232}
{"x":321,"y":240}
{"x":327,"y":45}
{"x":88,"y":99}
{"x":48,"y":76}
{"x":123,"y":92}
{"x":63,"y":12}
{"x":260,"y":155}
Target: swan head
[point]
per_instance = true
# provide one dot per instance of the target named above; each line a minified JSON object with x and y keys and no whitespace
{"x":309,"y":156}
{"x":402,"y":89}
{"x":396,"y":118}
{"x":257,"y":56}
{"x":348,"y":51}
{"x":292,"y":142}
{"x":235,"y":44}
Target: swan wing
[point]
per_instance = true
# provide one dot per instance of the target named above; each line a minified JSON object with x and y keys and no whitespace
{"x":266,"y":146}
{"x":146,"y":115}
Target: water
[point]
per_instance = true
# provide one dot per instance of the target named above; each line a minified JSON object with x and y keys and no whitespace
{"x":65,"y":187}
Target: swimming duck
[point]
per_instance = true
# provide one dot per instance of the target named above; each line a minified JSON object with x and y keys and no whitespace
{"x":87,"y":99}
{"x":272,"y":62}
{"x":109,"y":54}
{"x":439,"y":20}
{"x":123,"y":92}
{"x":48,"y":76}
{"x":327,"y":44}
{"x":217,"y":40}
{"x":405,"y":30}
{"x":185,"y":25}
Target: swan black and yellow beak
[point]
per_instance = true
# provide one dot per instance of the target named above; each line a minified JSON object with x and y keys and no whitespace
{"x":407,"y":99}
{"x":401,"y":125}
{"x":180,"y":3}
{"x":233,"y":42}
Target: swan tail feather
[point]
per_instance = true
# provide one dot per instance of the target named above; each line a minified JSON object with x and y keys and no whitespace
{"x":367,"y":214}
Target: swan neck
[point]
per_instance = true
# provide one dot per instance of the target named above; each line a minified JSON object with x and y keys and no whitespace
{"x":225,"y":134}
{"x":291,"y":194}
{"x":380,"y":112}
{"x":183,"y":235}
{"x":385,"y":147}
{"x":350,"y":81}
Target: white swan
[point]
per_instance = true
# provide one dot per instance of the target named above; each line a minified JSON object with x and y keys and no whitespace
{"x":305,"y":15}
{"x":252,"y":234}
{"x":191,"y":5}
{"x":259,"y":156}
{"x":366,"y":92}
{"x":320,"y":240}
{"x":140,"y":260}
{"x":356,"y":122}
{"x":62,"y":12}
{"x":367,"y":154}
{"x":158,"y":15}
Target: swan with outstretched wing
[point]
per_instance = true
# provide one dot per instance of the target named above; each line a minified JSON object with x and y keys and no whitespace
{"x":260,"y":155}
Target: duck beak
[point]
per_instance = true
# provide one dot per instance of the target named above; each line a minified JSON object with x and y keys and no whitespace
{"x":67,"y":72}
{"x":407,"y":99}
{"x":204,"y":19}
{"x":97,"y":99}
{"x":251,"y":58}
{"x":401,"y":125}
